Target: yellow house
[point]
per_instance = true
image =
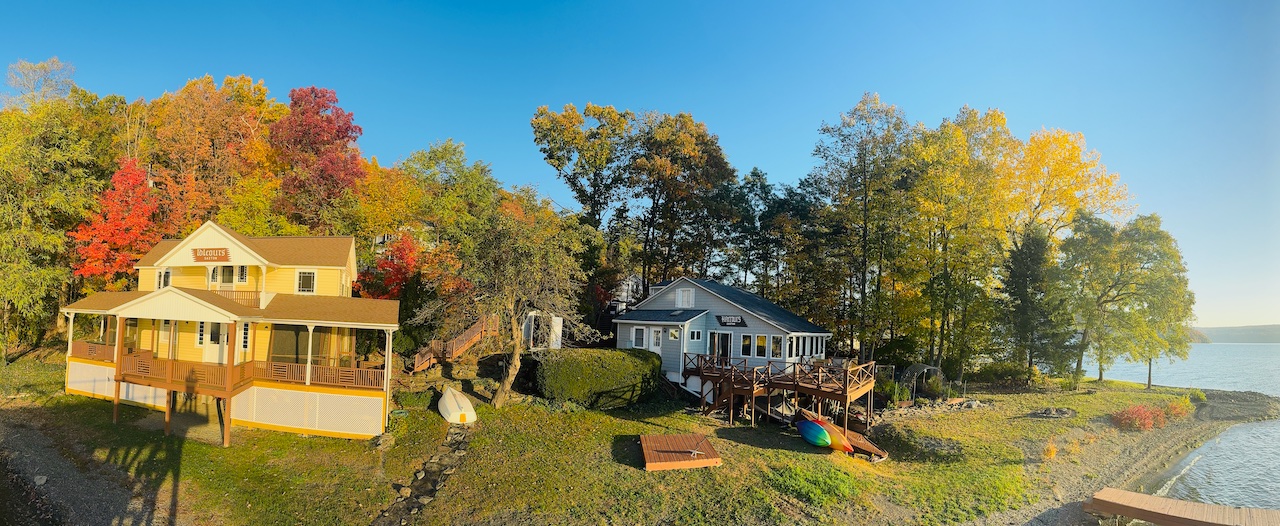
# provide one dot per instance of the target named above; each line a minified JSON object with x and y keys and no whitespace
{"x":266,"y":325}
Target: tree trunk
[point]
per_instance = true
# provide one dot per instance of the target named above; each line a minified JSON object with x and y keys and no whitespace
{"x":1084,"y":347}
{"x":1148,"y":371}
{"x":1100,"y":369}
{"x":513,"y":365}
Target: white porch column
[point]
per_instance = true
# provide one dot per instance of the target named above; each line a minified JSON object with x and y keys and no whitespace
{"x":71,"y":331}
{"x":310,"y":329}
{"x":386,"y":375}
{"x":262,"y":286}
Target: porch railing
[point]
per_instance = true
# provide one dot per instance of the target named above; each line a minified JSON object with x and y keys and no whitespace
{"x":219,"y":377}
{"x":94,"y":351}
{"x":248,"y":298}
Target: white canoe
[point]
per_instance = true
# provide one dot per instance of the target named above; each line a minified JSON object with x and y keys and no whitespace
{"x":456,"y":408}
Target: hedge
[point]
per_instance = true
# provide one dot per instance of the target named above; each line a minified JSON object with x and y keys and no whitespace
{"x":598,"y":378}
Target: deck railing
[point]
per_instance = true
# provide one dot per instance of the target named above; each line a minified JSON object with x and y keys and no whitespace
{"x":829,"y":378}
{"x":248,"y":298}
{"x":219,"y":377}
{"x":437,"y":350}
{"x":94,"y":351}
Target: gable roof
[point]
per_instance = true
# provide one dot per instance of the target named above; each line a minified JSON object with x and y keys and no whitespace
{"x":763,"y":308}
{"x":315,"y":251}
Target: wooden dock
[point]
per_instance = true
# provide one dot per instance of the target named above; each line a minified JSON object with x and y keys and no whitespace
{"x":1173,"y":512}
{"x":663,"y":452}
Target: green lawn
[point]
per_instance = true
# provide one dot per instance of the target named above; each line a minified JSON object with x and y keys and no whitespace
{"x":530,"y":463}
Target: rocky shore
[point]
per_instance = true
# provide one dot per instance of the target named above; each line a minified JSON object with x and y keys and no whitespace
{"x":1129,"y":460}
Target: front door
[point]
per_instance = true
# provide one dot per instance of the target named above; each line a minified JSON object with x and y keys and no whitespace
{"x":228,"y":281}
{"x":655,"y":340}
{"x":215,"y":349}
{"x":719,"y":343}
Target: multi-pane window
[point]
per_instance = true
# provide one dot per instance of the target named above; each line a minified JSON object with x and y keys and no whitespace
{"x":637,"y":338}
{"x":162,"y":278}
{"x":746,"y":345}
{"x":306,"y":282}
{"x":684,"y":298}
{"x":242,"y":274}
{"x":244,"y":336}
{"x":695,"y":336}
{"x":200,"y":334}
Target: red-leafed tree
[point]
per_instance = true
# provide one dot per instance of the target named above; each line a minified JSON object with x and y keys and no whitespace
{"x":124,"y":229}
{"x":317,"y":141}
{"x":395,"y":267}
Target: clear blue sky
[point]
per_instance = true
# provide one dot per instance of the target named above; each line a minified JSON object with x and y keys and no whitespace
{"x":1181,"y":99}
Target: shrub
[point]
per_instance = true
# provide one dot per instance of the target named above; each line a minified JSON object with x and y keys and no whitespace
{"x":1196,"y":395}
{"x":1002,"y":373}
{"x":893,"y":391}
{"x":598,"y":378}
{"x":1138,"y":418}
{"x":922,"y":401}
{"x":1050,"y":449}
{"x":1179,"y":408}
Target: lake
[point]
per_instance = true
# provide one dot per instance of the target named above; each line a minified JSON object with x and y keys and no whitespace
{"x":1240,"y":467}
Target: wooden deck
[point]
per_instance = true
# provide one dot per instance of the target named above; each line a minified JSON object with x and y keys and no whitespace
{"x":824,"y":381}
{"x":1173,"y":512}
{"x":677,"y":452}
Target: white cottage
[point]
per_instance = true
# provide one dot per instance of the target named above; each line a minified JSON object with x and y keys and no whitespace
{"x":703,"y":317}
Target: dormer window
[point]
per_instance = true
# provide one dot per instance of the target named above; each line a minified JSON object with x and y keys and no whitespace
{"x":684,"y":298}
{"x":306,"y":282}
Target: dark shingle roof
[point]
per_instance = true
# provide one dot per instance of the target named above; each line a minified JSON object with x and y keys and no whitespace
{"x":667,"y":315}
{"x":761,"y":307}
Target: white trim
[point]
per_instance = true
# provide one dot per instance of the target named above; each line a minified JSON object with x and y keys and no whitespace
{"x":164,"y":260}
{"x":329,"y":323}
{"x":643,"y":332}
{"x":297,"y":277}
{"x":695,"y":332}
{"x":709,"y":291}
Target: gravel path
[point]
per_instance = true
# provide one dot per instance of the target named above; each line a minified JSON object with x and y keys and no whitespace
{"x":77,"y":493}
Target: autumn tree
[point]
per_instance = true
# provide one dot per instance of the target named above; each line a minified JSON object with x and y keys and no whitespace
{"x":679,"y":169}
{"x":316,"y":140}
{"x":33,"y":83}
{"x":590,"y":158}
{"x":46,"y":170}
{"x":1128,"y":293}
{"x":250,"y":208}
{"x":121,"y":232}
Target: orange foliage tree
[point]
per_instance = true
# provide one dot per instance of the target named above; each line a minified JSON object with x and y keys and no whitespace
{"x":112,"y":240}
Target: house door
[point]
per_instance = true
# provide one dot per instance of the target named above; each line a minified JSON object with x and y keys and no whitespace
{"x":655,"y":340}
{"x":228,"y":278}
{"x":215,"y":349}
{"x":719,"y":344}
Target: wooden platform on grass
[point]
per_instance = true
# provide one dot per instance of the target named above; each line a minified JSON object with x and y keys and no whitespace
{"x":1174,"y":512}
{"x":677,"y":452}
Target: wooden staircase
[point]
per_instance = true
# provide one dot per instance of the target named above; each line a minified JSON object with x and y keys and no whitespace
{"x":439,"y":351}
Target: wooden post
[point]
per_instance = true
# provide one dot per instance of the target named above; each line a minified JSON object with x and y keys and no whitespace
{"x":310,"y":329}
{"x":386,"y":379}
{"x":168,"y":410}
{"x":226,"y":421}
{"x":173,"y":339}
{"x":846,"y":417}
{"x":71,"y":331}
{"x":730,"y":398}
{"x":115,"y":404}
{"x":869,"y":409}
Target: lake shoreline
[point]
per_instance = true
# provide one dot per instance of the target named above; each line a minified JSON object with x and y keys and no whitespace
{"x":1135,"y":461}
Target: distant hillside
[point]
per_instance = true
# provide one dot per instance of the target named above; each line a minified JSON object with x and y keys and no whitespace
{"x":1247,"y":334}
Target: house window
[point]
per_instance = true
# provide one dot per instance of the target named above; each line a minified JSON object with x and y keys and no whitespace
{"x":673,"y":334}
{"x":776,"y":349}
{"x":684,"y":298}
{"x":164,"y":331}
{"x":306,"y":282}
{"x":213,"y":275}
{"x":637,"y":338}
{"x":695,"y":336}
{"x":746,"y":345}
{"x":762,"y":342}
{"x":200,"y":334}
{"x":162,"y":278}
{"x":244,"y":336}
{"x":242,"y":274}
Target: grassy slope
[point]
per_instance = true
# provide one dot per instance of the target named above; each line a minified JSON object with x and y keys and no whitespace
{"x":265,"y":478}
{"x":529,"y":463}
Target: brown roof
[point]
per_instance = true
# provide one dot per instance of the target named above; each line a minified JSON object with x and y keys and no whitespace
{"x":222,"y":302}
{"x":319,"y":251}
{"x":105,"y":301}
{"x":333,"y":308}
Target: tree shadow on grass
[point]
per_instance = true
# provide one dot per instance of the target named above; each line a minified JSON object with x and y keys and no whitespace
{"x":626,"y":451}
{"x":770,"y":436}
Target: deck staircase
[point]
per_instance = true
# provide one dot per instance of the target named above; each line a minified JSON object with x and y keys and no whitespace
{"x":439,"y":351}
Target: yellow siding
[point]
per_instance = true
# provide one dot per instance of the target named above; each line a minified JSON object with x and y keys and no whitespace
{"x":328,"y":281}
{"x":190,"y":277}
{"x":146,"y":279}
